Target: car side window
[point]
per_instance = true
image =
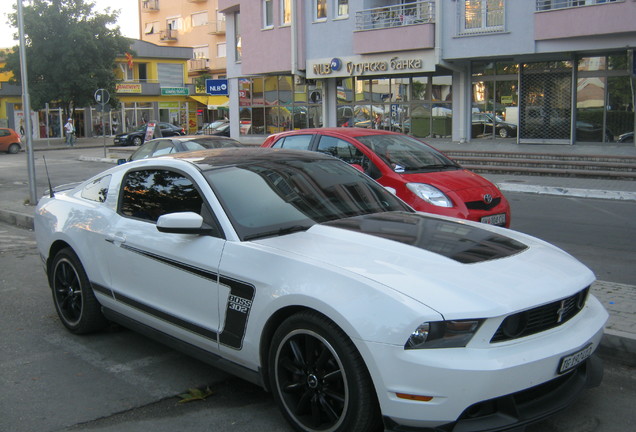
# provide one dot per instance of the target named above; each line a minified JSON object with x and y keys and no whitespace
{"x":97,"y":190}
{"x":294,"y":142}
{"x":4,"y":132}
{"x":340,"y":149}
{"x":148,"y":194}
{"x":164,"y":148}
{"x":349,"y":153}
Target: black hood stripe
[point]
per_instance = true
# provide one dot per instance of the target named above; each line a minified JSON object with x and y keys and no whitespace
{"x":461,"y":242}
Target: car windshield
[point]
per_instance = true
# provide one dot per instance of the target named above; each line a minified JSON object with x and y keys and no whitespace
{"x":276,"y":197}
{"x":403,"y":153}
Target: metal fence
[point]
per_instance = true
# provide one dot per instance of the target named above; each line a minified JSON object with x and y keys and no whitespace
{"x":420,"y":12}
{"x":543,"y":5}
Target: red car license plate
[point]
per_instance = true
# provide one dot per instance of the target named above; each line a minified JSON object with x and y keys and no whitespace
{"x":571,"y":361}
{"x":497,"y":219}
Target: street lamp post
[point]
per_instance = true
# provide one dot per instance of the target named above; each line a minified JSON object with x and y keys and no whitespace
{"x":26,"y":109}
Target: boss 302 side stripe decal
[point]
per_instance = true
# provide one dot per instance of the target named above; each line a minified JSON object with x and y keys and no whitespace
{"x":237,"y":310}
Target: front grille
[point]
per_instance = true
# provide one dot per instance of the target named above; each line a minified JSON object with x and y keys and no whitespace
{"x":481,"y":205}
{"x":540,"y":319}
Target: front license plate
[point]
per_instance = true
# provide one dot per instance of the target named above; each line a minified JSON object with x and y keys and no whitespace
{"x":498,"y":219}
{"x":571,"y":361}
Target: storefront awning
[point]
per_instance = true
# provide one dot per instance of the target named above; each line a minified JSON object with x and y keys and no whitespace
{"x":212,"y":102}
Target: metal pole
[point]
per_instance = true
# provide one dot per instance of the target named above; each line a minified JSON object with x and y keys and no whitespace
{"x":26,"y":109}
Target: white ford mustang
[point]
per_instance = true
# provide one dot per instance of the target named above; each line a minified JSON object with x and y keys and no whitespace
{"x":297,"y":272}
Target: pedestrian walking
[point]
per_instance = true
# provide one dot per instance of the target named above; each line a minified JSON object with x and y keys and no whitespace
{"x":70,"y":132}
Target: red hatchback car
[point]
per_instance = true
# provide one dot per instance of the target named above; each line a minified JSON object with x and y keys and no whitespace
{"x":421,"y":176}
{"x":9,"y":141}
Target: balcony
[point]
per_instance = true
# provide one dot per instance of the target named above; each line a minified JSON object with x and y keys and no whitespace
{"x":404,"y":27}
{"x":421,"y":12}
{"x":150,"y":5}
{"x":216,"y":27}
{"x":168,"y":35}
{"x":560,"y":19}
{"x":198,"y":65}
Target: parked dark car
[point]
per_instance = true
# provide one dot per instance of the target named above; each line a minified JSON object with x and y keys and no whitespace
{"x":223,"y":130}
{"x":137,"y":136}
{"x":178,"y":144}
{"x":591,"y":132}
{"x":210,"y":128}
{"x":626,"y":137}
{"x":483,"y":125}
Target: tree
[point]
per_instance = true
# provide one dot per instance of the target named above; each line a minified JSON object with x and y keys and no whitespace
{"x":70,"y":52}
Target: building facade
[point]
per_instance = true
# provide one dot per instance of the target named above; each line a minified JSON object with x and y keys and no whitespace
{"x":555,"y":71}
{"x":196,"y":24}
{"x":152,"y":86}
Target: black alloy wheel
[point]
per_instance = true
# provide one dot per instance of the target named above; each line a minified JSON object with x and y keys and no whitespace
{"x":318,"y":378}
{"x":73,"y":296}
{"x":503,"y":132}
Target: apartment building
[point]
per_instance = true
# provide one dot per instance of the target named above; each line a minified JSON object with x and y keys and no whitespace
{"x":197,"y":24}
{"x":551,"y":71}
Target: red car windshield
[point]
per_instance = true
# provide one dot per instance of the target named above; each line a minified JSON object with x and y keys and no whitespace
{"x":403,"y":153}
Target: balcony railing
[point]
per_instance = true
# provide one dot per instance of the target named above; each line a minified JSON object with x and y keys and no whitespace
{"x":543,"y":5}
{"x":197,"y":65}
{"x":420,"y":12}
{"x":150,"y":5}
{"x":216,"y":27}
{"x":168,"y":35}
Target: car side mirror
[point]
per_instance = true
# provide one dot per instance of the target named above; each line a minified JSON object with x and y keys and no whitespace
{"x":358,"y":167}
{"x":183,"y":223}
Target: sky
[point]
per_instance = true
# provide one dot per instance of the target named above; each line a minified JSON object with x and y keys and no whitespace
{"x":128,"y":18}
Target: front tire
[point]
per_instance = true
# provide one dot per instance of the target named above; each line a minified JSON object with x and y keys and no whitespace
{"x":74,"y":300}
{"x":503,"y":132}
{"x":319,"y":379}
{"x":13,"y":148}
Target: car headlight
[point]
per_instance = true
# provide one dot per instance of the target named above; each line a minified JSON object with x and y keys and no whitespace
{"x":443,"y":334}
{"x":430,"y":194}
{"x":123,"y":136}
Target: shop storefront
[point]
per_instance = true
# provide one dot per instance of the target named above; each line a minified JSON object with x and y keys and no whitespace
{"x":583,"y":99}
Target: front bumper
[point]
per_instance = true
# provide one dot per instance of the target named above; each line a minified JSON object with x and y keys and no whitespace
{"x":515,"y":411}
{"x":487,"y":387}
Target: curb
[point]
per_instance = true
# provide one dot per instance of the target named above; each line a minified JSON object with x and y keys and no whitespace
{"x":569,"y":192}
{"x":19,"y":220}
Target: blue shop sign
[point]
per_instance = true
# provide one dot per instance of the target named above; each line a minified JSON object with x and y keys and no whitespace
{"x":216,"y":87}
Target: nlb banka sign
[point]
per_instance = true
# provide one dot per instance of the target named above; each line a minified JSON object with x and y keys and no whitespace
{"x":364,"y":66}
{"x":217,"y":87}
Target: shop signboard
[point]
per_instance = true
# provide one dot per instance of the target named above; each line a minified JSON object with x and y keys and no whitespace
{"x":175,"y":91}
{"x":216,"y":87}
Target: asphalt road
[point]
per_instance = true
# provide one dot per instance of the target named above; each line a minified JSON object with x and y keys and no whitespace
{"x":600,"y":233}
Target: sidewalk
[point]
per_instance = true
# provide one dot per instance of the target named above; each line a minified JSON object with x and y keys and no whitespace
{"x":619,"y":299}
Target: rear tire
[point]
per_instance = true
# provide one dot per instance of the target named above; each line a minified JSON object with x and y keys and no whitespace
{"x":137,"y":141}
{"x":74,"y":300}
{"x":319,"y":379}
{"x":14,"y":148}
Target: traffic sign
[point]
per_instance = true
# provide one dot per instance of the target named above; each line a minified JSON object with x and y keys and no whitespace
{"x":102,"y":96}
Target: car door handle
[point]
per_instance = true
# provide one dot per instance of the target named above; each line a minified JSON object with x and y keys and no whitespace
{"x":115,"y":238}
